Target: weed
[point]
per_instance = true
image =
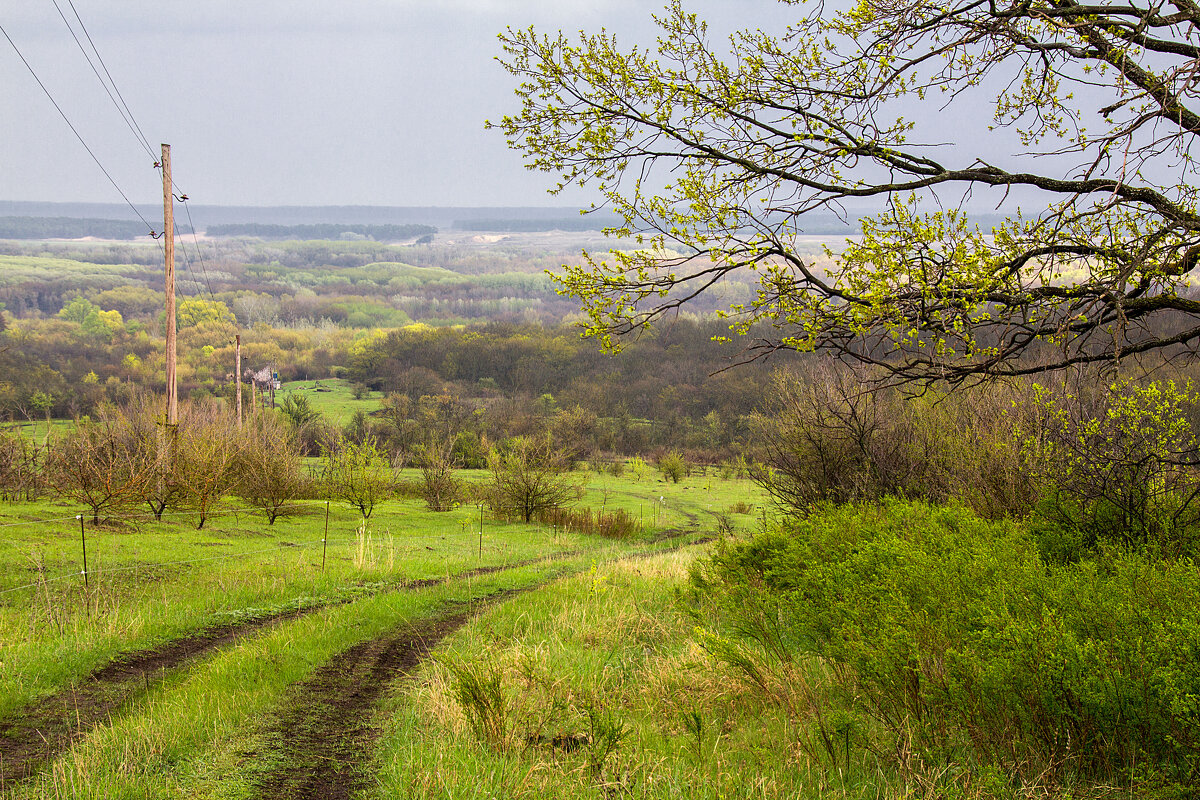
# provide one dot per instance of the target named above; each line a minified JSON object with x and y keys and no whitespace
{"x":605,"y":733}
{"x":478,"y":689}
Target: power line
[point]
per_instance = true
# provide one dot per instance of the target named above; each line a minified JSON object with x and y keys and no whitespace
{"x":199,"y":256}
{"x":141,"y":136}
{"x":199,"y":251}
{"x":125,"y":113}
{"x":78,"y":136}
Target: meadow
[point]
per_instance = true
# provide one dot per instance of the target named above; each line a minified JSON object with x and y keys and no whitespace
{"x":169,"y":672}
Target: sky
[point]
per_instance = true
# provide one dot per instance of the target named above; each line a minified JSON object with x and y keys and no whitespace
{"x":290,"y":102}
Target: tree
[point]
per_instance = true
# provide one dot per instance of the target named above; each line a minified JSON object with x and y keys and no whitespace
{"x":716,"y":157}
{"x":100,"y":465}
{"x":528,"y":476}
{"x":357,"y":474}
{"x":205,"y":457}
{"x":672,"y":466}
{"x":143,"y":418}
{"x":20,"y":467}
{"x":440,"y":488}
{"x":268,"y":467}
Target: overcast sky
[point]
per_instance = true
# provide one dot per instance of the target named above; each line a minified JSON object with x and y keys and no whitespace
{"x":290,"y":102}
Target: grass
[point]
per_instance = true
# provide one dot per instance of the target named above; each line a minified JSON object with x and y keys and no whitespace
{"x":333,"y":397}
{"x":600,"y":689}
{"x":150,"y":583}
{"x":189,"y":734}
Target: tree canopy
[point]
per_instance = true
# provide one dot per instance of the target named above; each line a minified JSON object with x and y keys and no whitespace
{"x":715,"y":154}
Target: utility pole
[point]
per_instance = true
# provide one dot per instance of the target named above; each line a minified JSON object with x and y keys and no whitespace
{"x":237,"y":361}
{"x":169,"y":251}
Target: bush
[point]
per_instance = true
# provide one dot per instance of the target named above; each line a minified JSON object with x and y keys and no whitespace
{"x":672,"y":466}
{"x":1119,"y":466}
{"x":832,"y":435}
{"x":961,"y":643}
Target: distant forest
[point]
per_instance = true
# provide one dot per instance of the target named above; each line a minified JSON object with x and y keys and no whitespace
{"x":580,"y":223}
{"x":68,"y":228}
{"x":380,"y":233}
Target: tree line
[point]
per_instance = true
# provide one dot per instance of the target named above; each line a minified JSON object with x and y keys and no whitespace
{"x":382,"y":233}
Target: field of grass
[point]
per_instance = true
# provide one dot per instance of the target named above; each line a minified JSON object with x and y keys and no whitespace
{"x":332,"y":397}
{"x":124,"y":710}
{"x":594,"y":687}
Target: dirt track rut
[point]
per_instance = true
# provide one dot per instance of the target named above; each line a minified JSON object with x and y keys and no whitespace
{"x":321,"y":738}
{"x":36,"y":734}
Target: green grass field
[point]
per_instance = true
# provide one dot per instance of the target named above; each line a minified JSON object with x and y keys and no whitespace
{"x":332,"y":397}
{"x":208,"y":725}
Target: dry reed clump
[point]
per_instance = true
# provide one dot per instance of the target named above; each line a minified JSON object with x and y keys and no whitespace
{"x":374,"y":550}
{"x":615,"y":524}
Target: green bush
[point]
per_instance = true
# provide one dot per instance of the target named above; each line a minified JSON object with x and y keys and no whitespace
{"x":1118,"y":466}
{"x":672,"y":466}
{"x":962,"y":644}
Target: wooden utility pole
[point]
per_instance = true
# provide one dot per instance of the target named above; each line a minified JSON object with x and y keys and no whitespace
{"x":237,"y":361}
{"x":169,"y":251}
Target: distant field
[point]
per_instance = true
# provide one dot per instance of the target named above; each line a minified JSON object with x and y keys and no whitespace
{"x":332,"y":397}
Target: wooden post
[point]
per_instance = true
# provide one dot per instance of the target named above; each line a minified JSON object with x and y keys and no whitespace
{"x":481,"y":531}
{"x":83,"y":542}
{"x":325,"y":541}
{"x":253,"y":395}
{"x":169,"y":257}
{"x":237,"y":362}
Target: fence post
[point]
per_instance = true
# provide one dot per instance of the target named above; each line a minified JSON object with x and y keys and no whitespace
{"x":83,"y":542}
{"x":481,"y":531}
{"x":325,"y":538}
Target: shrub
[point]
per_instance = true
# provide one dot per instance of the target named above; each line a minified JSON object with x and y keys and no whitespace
{"x":672,"y":466}
{"x":958,"y":640}
{"x":1120,"y":467}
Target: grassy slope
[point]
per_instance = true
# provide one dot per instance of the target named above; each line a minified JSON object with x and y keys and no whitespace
{"x":602,"y":651}
{"x":156,"y":582}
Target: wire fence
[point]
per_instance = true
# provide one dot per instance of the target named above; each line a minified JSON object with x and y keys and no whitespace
{"x":325,"y":541}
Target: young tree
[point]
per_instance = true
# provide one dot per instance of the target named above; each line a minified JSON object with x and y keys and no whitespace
{"x":718,"y":156}
{"x":99,"y":465}
{"x":143,"y":417}
{"x":20,"y":467}
{"x":268,"y":467}
{"x":357,"y":474}
{"x":439,"y":486}
{"x":205,"y":457}
{"x":529,"y":476}
{"x":672,"y":466}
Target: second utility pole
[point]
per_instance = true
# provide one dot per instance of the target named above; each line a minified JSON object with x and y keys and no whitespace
{"x":169,"y":257}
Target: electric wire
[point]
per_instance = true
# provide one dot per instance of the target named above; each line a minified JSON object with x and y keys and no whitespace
{"x":129,"y":122}
{"x":74,"y":130}
{"x":200,"y":258}
{"x":141,"y":136}
{"x":199,"y":250}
